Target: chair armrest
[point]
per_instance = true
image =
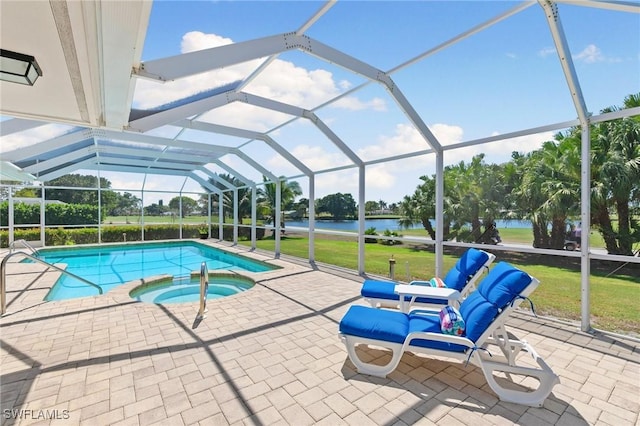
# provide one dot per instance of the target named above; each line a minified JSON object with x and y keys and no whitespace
{"x":439,"y":337}
{"x":422,"y":291}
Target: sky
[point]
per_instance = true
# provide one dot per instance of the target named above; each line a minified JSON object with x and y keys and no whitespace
{"x":503,"y":79}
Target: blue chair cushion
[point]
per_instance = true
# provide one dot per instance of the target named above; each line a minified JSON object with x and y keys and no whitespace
{"x":468,"y":264}
{"x":379,"y":290}
{"x":379,"y":324}
{"x":431,"y":324}
{"x":393,"y":326}
{"x":478,"y":313}
{"x":384,"y":290}
{"x":503,"y":284}
{"x":494,"y":293}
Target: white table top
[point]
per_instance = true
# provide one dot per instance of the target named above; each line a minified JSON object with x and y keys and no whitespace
{"x":426,"y":291}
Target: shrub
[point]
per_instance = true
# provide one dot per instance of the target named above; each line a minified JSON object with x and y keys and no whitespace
{"x":55,"y":214}
{"x":370,"y":231}
{"x":388,"y":233}
{"x":114,"y":234}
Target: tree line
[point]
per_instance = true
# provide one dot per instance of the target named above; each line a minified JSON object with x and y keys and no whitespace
{"x":543,"y":186}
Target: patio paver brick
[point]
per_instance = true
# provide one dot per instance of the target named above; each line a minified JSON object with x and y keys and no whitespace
{"x":272,"y":356}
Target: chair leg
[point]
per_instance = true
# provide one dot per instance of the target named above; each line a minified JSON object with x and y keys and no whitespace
{"x":371,"y":369}
{"x":546,"y":377}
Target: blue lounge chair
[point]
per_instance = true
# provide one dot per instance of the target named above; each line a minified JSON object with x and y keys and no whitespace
{"x":462,"y":277}
{"x":484,"y":312}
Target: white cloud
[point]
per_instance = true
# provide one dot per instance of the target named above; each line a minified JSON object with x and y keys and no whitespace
{"x":499,"y":152}
{"x":546,"y":51}
{"x":407,"y":139}
{"x":355,"y":104}
{"x":196,"y":40}
{"x":345,"y":84}
{"x":31,"y":137}
{"x":318,"y":158}
{"x":282,"y":81}
{"x":590,"y":54}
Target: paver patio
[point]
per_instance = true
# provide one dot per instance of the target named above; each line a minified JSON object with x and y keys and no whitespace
{"x":271,"y":355}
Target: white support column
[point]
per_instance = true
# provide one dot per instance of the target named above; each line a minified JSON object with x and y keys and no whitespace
{"x":585,"y":217}
{"x":439,"y":212}
{"x":99,"y":210}
{"x":276,"y":216}
{"x":235,"y":216}
{"x":254,"y":215}
{"x":180,"y":213}
{"x":312,"y":218}
{"x":142,"y":209}
{"x":11,"y":221}
{"x":566,"y":62}
{"x":220,"y":216}
{"x":209,"y":215}
{"x":43,"y":216}
{"x":144,"y":181}
{"x":361,"y":203}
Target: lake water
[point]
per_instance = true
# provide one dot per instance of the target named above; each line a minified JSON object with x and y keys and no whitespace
{"x":384,"y":224}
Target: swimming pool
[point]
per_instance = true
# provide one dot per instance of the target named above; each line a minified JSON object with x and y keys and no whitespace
{"x":113,"y":265}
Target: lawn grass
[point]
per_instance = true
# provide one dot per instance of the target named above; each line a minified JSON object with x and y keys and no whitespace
{"x":614,"y":299}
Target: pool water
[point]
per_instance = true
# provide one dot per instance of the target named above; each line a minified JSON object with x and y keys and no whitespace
{"x":182,"y":291}
{"x":114,"y":265}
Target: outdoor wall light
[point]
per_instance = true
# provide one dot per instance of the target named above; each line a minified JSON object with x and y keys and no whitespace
{"x":18,"y":68}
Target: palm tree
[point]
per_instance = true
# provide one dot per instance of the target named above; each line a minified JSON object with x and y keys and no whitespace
{"x":244,"y":196}
{"x":549,"y":192}
{"x":474,"y":194}
{"x":616,"y":175}
{"x":420,"y":207}
{"x":267,"y":196}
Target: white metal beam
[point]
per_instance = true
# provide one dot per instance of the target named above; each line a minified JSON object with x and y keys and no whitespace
{"x":48,"y":145}
{"x":620,"y":6}
{"x":16,"y":125}
{"x":253,"y":163}
{"x":216,"y":150}
{"x":152,"y":154}
{"x":564,"y":54}
{"x":248,"y":134}
{"x":215,"y":58}
{"x":168,"y":116}
{"x":216,"y":177}
{"x":86,"y":164}
{"x":235,"y":173}
{"x":287,"y":155}
{"x":43,"y":166}
{"x":205,"y":184}
{"x":145,"y":164}
{"x":186,"y":64}
{"x":332,"y":55}
{"x":324,"y":9}
{"x":261,"y":102}
{"x":333,"y":138}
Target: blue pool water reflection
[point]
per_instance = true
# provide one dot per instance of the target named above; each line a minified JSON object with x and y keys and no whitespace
{"x":113,"y":265}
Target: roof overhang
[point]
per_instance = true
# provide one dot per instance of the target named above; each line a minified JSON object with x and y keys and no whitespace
{"x":83,"y":48}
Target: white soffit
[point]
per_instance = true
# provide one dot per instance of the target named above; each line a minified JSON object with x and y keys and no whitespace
{"x":86,"y":51}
